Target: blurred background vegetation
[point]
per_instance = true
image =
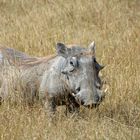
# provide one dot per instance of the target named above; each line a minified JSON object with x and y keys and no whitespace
{"x":35,"y":26}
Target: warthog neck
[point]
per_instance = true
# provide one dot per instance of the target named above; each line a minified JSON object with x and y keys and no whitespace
{"x":54,"y":83}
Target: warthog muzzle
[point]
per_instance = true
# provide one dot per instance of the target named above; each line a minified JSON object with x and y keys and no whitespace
{"x":88,"y":99}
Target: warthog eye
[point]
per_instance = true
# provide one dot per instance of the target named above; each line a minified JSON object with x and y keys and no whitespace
{"x":70,"y":66}
{"x":73,"y":61}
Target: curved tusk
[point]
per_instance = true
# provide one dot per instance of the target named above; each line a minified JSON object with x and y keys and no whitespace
{"x":106,"y":90}
{"x":73,"y":95}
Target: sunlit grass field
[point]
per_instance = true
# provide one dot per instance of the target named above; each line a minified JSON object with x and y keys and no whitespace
{"x":35,"y":26}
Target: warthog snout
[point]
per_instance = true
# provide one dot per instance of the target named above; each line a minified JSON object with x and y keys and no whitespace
{"x":88,"y":98}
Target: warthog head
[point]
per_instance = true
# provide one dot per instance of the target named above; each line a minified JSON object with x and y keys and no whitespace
{"x":82,"y":72}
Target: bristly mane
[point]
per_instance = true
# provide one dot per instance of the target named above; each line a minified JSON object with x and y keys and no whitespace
{"x":21,"y":59}
{"x":18,"y":58}
{"x":38,"y":61}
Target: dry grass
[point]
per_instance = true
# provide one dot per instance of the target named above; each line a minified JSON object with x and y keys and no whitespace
{"x":35,"y":26}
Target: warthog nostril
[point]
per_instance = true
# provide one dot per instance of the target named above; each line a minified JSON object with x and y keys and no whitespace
{"x":90,"y":106}
{"x":93,"y":106}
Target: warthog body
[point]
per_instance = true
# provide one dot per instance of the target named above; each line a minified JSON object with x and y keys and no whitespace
{"x":71,"y":77}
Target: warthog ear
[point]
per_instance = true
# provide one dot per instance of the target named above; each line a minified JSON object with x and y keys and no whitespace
{"x":92,"y":48}
{"x":61,"y":49}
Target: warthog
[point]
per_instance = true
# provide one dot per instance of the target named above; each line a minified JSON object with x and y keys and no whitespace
{"x":71,"y":77}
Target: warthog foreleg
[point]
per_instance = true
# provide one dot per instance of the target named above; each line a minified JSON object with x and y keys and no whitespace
{"x":50,"y":107}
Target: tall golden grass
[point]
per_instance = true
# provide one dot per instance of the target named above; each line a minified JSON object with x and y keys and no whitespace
{"x":35,"y":26}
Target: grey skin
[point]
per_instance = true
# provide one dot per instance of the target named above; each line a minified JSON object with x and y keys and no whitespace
{"x":72,"y":78}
